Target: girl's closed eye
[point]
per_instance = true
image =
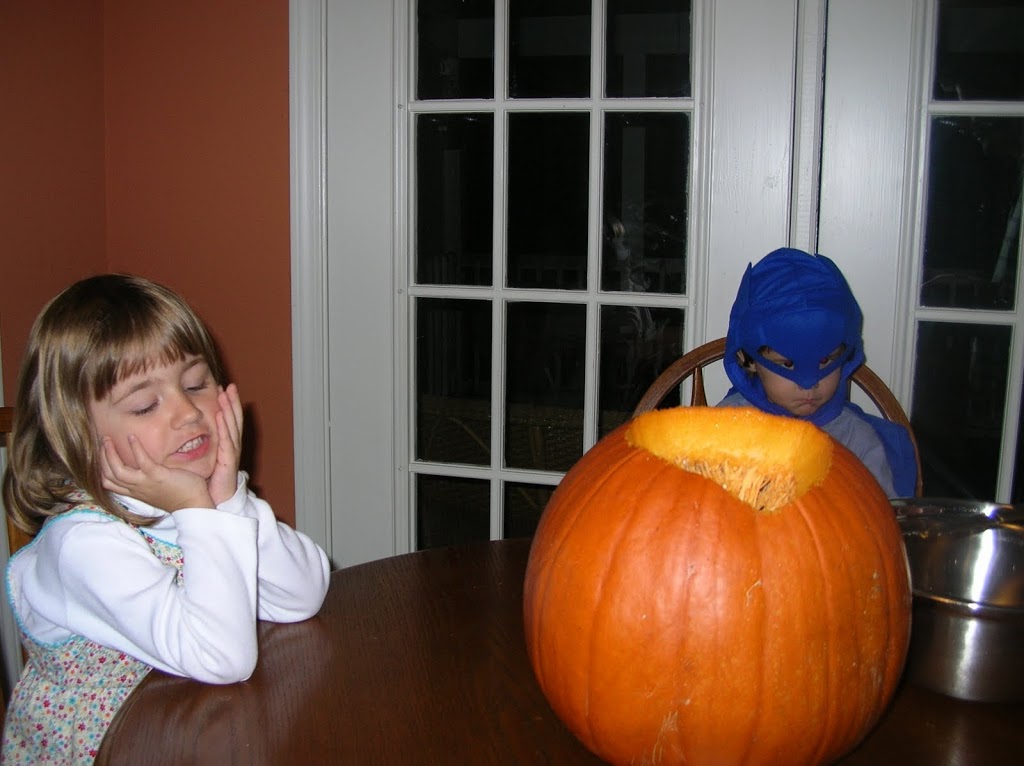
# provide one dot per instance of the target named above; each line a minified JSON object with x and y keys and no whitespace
{"x":145,"y":410}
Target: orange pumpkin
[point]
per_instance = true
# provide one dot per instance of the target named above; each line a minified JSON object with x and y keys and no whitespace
{"x":718,"y":586}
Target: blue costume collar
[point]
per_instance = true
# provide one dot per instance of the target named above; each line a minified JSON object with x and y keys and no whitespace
{"x":800,"y":306}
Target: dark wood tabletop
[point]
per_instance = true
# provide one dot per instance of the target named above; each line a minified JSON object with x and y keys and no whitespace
{"x":420,"y":659}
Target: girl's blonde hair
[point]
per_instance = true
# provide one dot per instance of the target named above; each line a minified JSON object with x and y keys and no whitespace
{"x":87,"y":339}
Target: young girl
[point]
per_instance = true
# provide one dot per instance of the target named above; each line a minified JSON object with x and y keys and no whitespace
{"x":149,"y":549}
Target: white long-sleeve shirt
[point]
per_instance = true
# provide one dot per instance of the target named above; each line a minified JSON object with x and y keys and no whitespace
{"x":89,"y":574}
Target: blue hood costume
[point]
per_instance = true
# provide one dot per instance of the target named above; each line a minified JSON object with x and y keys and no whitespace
{"x":801,"y":306}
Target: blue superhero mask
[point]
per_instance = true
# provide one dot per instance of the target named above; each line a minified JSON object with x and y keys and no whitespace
{"x":800,"y":306}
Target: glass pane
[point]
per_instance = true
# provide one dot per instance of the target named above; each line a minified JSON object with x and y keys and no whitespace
{"x":959,"y":397}
{"x":454,"y":208}
{"x":549,"y":48}
{"x":648,"y":48}
{"x":545,"y":369}
{"x":548,"y":167}
{"x":643,"y":245}
{"x":455,"y":49}
{"x":450,"y":511}
{"x":637,"y":343}
{"x":972,"y":232}
{"x":979,"y":53}
{"x":524,"y":503}
{"x":453,"y":381}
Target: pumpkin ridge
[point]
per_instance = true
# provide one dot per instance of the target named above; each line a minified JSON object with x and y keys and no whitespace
{"x":612,"y":560}
{"x":827,"y":730}
{"x":610,"y":465}
{"x":565,"y":528}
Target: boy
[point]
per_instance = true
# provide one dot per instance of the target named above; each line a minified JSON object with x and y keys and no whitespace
{"x":794,"y":339}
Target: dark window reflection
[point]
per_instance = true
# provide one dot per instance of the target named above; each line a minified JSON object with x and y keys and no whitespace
{"x":972,"y":234}
{"x":643,"y":246}
{"x":545,"y":378}
{"x":547,"y":200}
{"x":455,"y":49}
{"x":549,"y":48}
{"x":524,"y":504}
{"x":637,"y":344}
{"x":958,"y":406}
{"x":980,"y":50}
{"x":454,"y":209}
{"x":453,"y":380}
{"x":451,"y":511}
{"x":648,"y":48}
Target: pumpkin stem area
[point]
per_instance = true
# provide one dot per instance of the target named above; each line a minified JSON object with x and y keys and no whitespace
{"x":766,"y":461}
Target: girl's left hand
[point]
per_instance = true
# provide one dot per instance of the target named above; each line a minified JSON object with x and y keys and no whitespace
{"x":224,"y":480}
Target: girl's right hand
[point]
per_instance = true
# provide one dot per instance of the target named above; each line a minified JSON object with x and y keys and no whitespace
{"x":165,"y":488}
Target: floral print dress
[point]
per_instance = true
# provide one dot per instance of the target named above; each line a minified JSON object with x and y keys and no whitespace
{"x":68,"y":693}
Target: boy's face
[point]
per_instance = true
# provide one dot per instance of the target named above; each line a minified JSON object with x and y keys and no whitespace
{"x":801,"y":402}
{"x":170,"y":409}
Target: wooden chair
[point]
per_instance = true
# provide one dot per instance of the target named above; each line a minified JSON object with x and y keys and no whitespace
{"x":693,"y":363}
{"x":16,"y":538}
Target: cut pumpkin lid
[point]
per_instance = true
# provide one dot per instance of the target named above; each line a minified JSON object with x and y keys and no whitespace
{"x":766,"y":461}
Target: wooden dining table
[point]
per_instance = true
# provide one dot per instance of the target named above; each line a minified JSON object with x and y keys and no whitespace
{"x":420,"y":659}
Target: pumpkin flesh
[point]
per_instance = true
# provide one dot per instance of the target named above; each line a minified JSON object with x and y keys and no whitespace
{"x":669,"y":621}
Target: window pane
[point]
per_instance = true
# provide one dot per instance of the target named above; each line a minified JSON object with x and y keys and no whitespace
{"x":545,"y":369}
{"x":637,"y":343}
{"x":549,"y":48}
{"x":548,"y":171}
{"x":450,"y":511}
{"x":524,"y":503}
{"x":648,"y":48}
{"x":959,"y":396}
{"x":646,"y":170}
{"x":979,"y":53}
{"x":453,"y":381}
{"x":454,"y":209}
{"x":972,"y":232}
{"x":455,"y":49}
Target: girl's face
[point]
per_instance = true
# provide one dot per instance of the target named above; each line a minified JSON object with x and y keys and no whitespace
{"x":170,"y":409}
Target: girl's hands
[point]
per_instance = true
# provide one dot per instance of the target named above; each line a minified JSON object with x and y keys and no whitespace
{"x":224,"y":480}
{"x":153,"y":483}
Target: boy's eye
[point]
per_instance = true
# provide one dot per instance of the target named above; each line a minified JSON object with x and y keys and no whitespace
{"x":143,"y":410}
{"x":198,"y":386}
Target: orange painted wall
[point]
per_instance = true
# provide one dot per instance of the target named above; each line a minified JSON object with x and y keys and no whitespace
{"x":52,"y":229}
{"x":180,"y":113}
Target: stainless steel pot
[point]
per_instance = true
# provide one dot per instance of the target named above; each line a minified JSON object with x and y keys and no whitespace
{"x":967,"y":573}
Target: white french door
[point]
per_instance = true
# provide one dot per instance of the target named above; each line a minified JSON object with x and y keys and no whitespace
{"x":758,"y":111}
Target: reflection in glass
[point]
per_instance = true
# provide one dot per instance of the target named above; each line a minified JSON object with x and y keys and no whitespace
{"x":453,"y":380}
{"x":958,"y":405}
{"x":648,"y":48}
{"x":544,"y":379}
{"x":643,"y":245}
{"x":979,"y":53}
{"x":549,"y":48}
{"x":450,"y":511}
{"x":524,"y":503}
{"x":455,"y":49}
{"x":454,"y":210}
{"x":548,"y":166}
{"x":972,"y":234}
{"x":637,"y":344}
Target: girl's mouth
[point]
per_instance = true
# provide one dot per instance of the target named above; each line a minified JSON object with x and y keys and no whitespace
{"x":194,"y":448}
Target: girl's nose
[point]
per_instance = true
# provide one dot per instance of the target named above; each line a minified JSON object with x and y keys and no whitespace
{"x":185,"y":412}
